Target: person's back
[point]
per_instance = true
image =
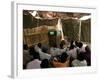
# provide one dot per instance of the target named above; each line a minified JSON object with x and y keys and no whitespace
{"x":35,"y":63}
{"x":54,"y":51}
{"x":38,"y":47}
{"x":77,"y":63}
{"x":80,"y":61}
{"x":25,"y":49}
{"x":62,"y":49}
{"x":45,"y":63}
{"x":59,"y":64}
{"x":64,"y":62}
{"x":26,"y":56}
{"x":88,"y":55}
{"x":72,"y":52}
{"x":81,"y":47}
{"x":44,"y":55}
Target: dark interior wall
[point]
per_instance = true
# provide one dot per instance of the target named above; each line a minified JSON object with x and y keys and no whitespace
{"x":71,"y":28}
{"x":86,"y":31}
{"x":31,"y":22}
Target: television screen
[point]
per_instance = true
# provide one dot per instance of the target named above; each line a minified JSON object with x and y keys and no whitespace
{"x":52,"y":33}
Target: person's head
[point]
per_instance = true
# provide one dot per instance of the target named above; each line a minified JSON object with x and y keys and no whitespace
{"x":87,"y":49}
{"x":80,"y":44}
{"x":71,"y":47}
{"x":61,"y":45}
{"x":81,"y":56}
{"x":25,"y":47}
{"x":63,"y":42}
{"x":64,"y":57}
{"x":31,"y":50}
{"x":76,"y":43}
{"x":39,"y":45}
{"x":45,"y":63}
{"x":36,"y":55}
{"x":71,"y":43}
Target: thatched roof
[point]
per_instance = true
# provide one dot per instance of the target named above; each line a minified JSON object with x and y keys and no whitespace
{"x":47,"y":18}
{"x":30,"y":22}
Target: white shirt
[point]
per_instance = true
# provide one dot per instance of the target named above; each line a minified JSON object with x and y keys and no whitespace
{"x":77,"y":63}
{"x":54,"y":51}
{"x":35,"y":64}
{"x":72,"y":53}
{"x":63,"y":50}
{"x":26,"y":57}
{"x":44,"y":55}
{"x":37,"y":48}
{"x":82,"y":49}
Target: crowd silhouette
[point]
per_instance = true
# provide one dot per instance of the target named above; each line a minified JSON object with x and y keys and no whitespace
{"x":43,"y":56}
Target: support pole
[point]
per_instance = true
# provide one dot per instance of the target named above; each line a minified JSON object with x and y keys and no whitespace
{"x":80,"y":30}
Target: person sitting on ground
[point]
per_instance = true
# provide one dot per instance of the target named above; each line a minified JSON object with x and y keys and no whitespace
{"x":44,"y":54}
{"x":72,"y":52}
{"x":81,"y":48}
{"x":64,"y":62}
{"x":25,"y":49}
{"x":35,"y":63}
{"x":88,"y":55}
{"x":45,"y":48}
{"x":80,"y":61}
{"x":31,"y":50}
{"x":76,"y":44}
{"x":62,"y":48}
{"x":38,"y":47}
{"x":72,"y":42}
{"x":26,"y":56}
{"x":45,"y":64}
{"x":54,"y":50}
{"x":63,"y":42}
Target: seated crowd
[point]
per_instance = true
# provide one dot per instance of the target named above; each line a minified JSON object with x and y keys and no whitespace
{"x":40,"y":56}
